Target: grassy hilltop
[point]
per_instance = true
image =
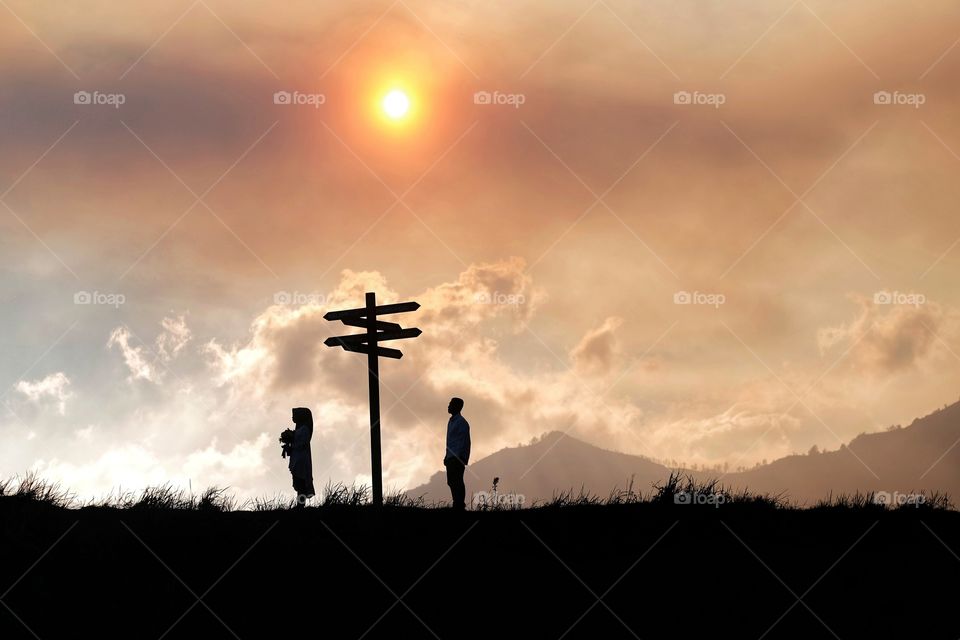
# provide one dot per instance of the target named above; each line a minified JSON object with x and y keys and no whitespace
{"x":163,"y":564}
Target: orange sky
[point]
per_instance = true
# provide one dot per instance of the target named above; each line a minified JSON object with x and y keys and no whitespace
{"x":546,"y":234}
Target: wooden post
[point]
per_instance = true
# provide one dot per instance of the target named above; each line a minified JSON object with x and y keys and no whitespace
{"x":373,"y":368}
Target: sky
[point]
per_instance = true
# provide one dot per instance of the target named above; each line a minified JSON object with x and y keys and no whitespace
{"x":704,"y":232}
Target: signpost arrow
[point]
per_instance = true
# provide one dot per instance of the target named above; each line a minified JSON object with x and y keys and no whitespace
{"x":365,"y":312}
{"x":379,"y":336}
{"x":376,"y":331}
{"x":362,"y":323}
{"x":383,"y":352}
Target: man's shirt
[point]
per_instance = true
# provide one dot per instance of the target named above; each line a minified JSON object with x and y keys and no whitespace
{"x":458,"y":439}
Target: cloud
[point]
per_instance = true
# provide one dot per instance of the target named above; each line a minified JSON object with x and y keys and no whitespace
{"x":482,"y":291}
{"x":135,"y":466}
{"x":886,"y":338}
{"x":143,"y":363}
{"x":598,"y":349}
{"x":243,"y":464}
{"x":286,"y":341}
{"x":125,"y":467}
{"x":54,"y":387}
{"x":134,"y":357}
{"x":285,"y":349}
{"x":173,"y":338}
{"x":737,"y":435}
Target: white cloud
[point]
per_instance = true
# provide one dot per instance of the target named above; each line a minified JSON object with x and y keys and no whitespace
{"x":886,"y":338}
{"x":85,"y":433}
{"x":132,"y":467}
{"x":241,"y":465}
{"x":53,"y":387}
{"x":598,"y":349}
{"x":127,"y":467}
{"x":173,"y":338}
{"x":134,"y":357}
{"x":147,"y":364}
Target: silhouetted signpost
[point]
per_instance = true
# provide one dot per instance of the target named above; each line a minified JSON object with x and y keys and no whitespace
{"x":368,"y":343}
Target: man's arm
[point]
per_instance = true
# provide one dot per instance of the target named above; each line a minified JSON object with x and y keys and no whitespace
{"x":461,"y":447}
{"x":448,"y":454}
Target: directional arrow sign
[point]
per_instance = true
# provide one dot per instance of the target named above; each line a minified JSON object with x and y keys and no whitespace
{"x":377,"y":324}
{"x":364,"y":312}
{"x":381,"y":351}
{"x":380,"y":336}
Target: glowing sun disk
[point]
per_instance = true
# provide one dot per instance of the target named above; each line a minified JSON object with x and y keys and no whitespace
{"x":396,"y":104}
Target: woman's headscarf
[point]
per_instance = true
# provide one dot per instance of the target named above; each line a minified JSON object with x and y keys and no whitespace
{"x":302,"y":415}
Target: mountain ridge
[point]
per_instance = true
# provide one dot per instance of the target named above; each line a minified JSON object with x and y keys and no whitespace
{"x":921,"y":457}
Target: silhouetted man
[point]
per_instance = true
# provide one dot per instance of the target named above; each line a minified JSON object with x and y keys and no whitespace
{"x":458,"y":453}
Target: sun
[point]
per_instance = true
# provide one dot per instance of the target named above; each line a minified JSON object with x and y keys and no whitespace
{"x":396,"y":104}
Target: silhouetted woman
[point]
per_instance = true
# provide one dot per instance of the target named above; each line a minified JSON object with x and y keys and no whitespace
{"x":301,"y":464}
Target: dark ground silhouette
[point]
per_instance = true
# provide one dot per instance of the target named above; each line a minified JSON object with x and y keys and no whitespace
{"x":659,"y":570}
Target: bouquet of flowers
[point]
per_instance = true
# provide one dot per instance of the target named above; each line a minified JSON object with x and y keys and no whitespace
{"x":286,"y":441}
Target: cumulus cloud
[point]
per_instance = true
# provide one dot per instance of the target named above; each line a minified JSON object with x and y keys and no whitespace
{"x":147,"y":364}
{"x":886,"y":338}
{"x":173,"y":338}
{"x":597,"y":350}
{"x":285,"y":349}
{"x":135,"y":466}
{"x":123,"y":467}
{"x":483,"y":291}
{"x":133,"y":356}
{"x":51,"y":388}
{"x":242,"y":464}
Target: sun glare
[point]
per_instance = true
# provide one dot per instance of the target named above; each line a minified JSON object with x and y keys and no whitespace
{"x":396,"y":104}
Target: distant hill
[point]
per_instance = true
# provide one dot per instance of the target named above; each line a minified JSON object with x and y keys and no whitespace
{"x":553,"y":462}
{"x":924,"y":456}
